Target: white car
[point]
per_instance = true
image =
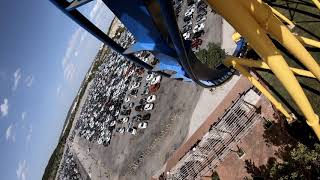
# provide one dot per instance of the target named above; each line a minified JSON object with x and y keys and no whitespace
{"x":198,"y":27}
{"x":113,"y":123}
{"x":125,"y":119}
{"x":100,"y":141}
{"x":135,"y":85}
{"x":108,"y":138}
{"x":142,"y":125}
{"x":156,"y":80}
{"x":151,"y":98}
{"x":121,"y":130}
{"x":127,"y":99}
{"x":186,"y":35}
{"x":203,"y":19}
{"x":149,"y":77}
{"x":189,"y":11}
{"x":111,"y":108}
{"x":148,"y":107}
{"x":116,"y":113}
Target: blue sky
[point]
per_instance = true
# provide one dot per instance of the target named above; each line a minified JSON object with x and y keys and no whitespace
{"x":44,"y":57}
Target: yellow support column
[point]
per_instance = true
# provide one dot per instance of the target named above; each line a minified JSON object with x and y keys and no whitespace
{"x":263,"y":14}
{"x":317,"y":3}
{"x":247,"y":26}
{"x":262,"y":65}
{"x":308,"y":41}
{"x":284,"y":18}
{"x":258,"y":85}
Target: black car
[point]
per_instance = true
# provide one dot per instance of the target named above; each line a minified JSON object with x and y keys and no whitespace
{"x":201,"y":4}
{"x":137,"y":118}
{"x":199,"y":10}
{"x":190,"y":2}
{"x":187,"y":28}
{"x":202,"y":13}
{"x":134,"y":92}
{"x":126,"y":112}
{"x":138,"y":108}
{"x":187,"y":18}
{"x":143,"y":101}
{"x":198,"y":34}
{"x":146,"y":117}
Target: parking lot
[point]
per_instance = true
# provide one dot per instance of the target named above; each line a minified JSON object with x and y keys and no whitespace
{"x":127,"y":125}
{"x":131,"y":120}
{"x":198,"y":23}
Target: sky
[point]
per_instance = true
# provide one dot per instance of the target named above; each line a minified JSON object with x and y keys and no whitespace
{"x":44,"y":57}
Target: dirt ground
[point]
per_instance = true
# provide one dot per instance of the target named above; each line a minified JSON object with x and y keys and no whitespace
{"x":139,"y":157}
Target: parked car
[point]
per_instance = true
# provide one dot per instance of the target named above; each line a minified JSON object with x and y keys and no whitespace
{"x":198,"y":27}
{"x":186,"y":35}
{"x":124,"y":120}
{"x":112,"y":123}
{"x":200,"y":9}
{"x":198,"y":34}
{"x":201,"y":19}
{"x":134,"y":92}
{"x":135,"y":85}
{"x":149,"y":77}
{"x":126,"y":112}
{"x":142,"y":125}
{"x":196,"y":43}
{"x":121,"y":130}
{"x":148,"y":107}
{"x":187,"y":28}
{"x":146,"y":117}
{"x":151,"y":98}
{"x":190,"y":2}
{"x":202,"y":4}
{"x":145,"y":91}
{"x":202,"y":13}
{"x":137,"y":118}
{"x":156,"y":80}
{"x":187,"y":18}
{"x":188,"y":24}
{"x":132,"y":130}
{"x":154,"y":88}
{"x":138,"y":108}
{"x":127,"y":99}
{"x":189,"y":12}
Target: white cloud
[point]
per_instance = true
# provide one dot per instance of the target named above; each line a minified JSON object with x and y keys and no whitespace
{"x":23,"y":115}
{"x":29,"y":135}
{"x":17,"y":77}
{"x":29,"y":80}
{"x":59,"y":90}
{"x":69,"y":71}
{"x":22,"y":170}
{"x":4,"y":108}
{"x":77,"y":40}
{"x":10,"y":133}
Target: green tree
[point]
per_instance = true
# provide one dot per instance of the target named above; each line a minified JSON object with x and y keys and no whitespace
{"x":212,"y":55}
{"x":301,"y":162}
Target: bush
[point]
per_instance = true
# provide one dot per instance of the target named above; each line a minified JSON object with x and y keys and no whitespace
{"x":212,"y":55}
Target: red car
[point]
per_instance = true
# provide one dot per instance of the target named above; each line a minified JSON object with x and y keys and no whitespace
{"x":196,"y":43}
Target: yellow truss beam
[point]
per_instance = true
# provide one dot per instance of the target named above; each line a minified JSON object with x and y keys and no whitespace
{"x":235,"y":63}
{"x":254,"y":22}
{"x":317,"y":3}
{"x":262,"y":65}
{"x":263,"y":14}
{"x":283,"y":18}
